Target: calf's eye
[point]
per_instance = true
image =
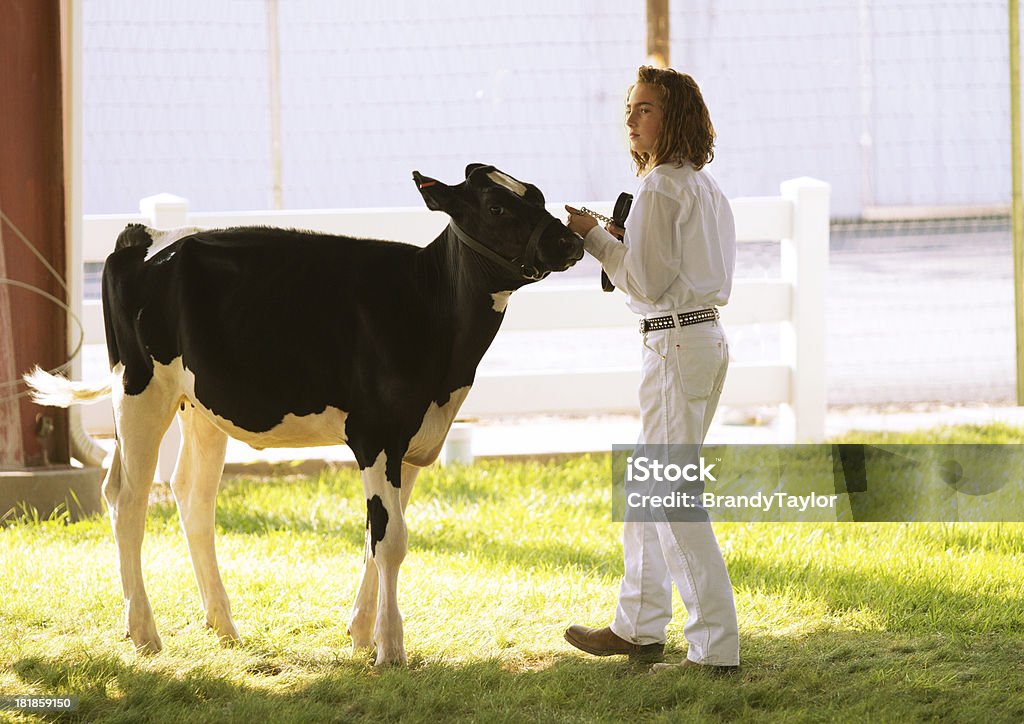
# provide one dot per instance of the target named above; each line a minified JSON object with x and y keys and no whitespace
{"x":497,"y":211}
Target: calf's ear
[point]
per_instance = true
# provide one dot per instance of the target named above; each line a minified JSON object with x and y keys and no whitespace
{"x":534,"y":195}
{"x":434,"y":192}
{"x":474,"y":166}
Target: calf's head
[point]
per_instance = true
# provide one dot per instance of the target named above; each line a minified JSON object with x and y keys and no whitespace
{"x":504,"y":221}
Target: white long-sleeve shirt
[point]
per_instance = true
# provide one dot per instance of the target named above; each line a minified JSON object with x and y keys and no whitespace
{"x":679,"y":250}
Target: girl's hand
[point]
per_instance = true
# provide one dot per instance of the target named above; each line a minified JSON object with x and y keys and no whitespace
{"x":617,"y":231}
{"x":579,"y":222}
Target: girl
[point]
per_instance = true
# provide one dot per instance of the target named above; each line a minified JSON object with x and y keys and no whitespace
{"x":676,"y":264}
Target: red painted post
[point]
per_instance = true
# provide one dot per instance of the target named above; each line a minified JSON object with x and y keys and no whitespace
{"x":32,"y":198}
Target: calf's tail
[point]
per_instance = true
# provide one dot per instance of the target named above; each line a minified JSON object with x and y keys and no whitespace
{"x":56,"y":391}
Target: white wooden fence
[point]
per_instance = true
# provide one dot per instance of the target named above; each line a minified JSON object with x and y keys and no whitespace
{"x":798,"y":218}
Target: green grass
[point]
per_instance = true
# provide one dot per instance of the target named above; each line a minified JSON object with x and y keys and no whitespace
{"x":845,"y":622}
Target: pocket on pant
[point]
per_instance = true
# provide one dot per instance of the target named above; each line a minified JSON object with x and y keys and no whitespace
{"x":700,"y":361}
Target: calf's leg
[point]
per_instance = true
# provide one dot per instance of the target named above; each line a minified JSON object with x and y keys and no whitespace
{"x":388,"y":539}
{"x":409,"y":473}
{"x":140,"y":422}
{"x":364,"y":612}
{"x":195,"y":482}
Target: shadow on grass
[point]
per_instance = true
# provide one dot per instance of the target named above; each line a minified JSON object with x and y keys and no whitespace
{"x":822,"y":676}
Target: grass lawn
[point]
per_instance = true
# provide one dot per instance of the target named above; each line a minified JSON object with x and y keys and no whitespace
{"x":844,"y":622}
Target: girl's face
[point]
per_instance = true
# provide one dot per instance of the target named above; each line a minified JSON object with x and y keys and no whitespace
{"x":644,"y":116}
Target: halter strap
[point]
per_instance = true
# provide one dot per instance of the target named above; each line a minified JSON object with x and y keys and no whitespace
{"x":523,"y":266}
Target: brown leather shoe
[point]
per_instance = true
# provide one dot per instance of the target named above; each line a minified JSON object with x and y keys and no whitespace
{"x":687,"y":664}
{"x":602,"y":642}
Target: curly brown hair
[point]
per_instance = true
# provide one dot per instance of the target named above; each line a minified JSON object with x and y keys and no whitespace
{"x":686,"y":132}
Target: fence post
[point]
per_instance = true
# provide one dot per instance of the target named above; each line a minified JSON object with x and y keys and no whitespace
{"x":804,"y":263}
{"x":166,"y":211}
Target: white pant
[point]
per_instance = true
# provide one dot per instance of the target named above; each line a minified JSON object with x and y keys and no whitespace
{"x":683,"y":373}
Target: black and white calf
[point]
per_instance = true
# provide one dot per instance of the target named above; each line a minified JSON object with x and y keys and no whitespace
{"x":285,"y":338}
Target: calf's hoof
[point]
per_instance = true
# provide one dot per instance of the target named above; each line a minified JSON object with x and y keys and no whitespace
{"x":148,"y":645}
{"x":228,"y":641}
{"x":145,"y":637}
{"x":362,"y":637}
{"x":225,"y":630}
{"x":394,"y":658}
{"x":361,"y":647}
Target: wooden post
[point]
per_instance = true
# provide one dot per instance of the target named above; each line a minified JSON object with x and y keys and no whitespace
{"x":32,"y":197}
{"x":1017,"y":205}
{"x":274,"y":77}
{"x":36,"y":86}
{"x":657,"y":33}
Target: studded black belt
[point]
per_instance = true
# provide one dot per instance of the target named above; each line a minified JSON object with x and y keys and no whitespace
{"x":685,"y":319}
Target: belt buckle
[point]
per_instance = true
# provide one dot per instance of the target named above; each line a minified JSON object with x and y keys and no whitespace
{"x":643,"y":326}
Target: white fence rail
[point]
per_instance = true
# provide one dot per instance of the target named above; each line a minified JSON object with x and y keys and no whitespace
{"x":798,"y":218}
